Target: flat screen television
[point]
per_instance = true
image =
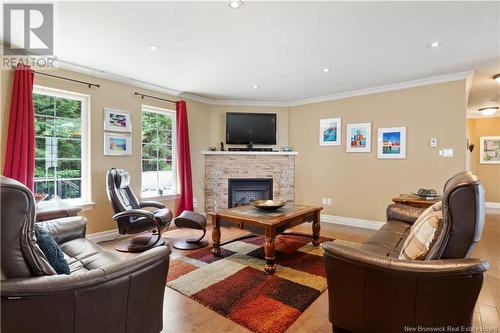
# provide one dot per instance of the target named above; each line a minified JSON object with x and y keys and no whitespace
{"x":251,"y":128}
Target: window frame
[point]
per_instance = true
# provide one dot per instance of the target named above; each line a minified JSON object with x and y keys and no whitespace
{"x":175,"y":191}
{"x":86,"y":197}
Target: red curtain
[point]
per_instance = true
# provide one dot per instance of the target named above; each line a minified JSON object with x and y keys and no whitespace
{"x":20,"y":152}
{"x":184,"y":159}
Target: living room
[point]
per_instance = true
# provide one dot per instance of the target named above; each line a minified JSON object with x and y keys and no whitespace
{"x":279,"y":167}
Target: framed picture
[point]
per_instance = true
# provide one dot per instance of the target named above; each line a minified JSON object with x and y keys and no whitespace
{"x":330,"y":132}
{"x":359,"y":138}
{"x":391,"y":142}
{"x":489,"y":150}
{"x":118,"y":121}
{"x":117,"y":144}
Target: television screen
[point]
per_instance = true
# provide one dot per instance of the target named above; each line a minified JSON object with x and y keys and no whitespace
{"x":255,"y":128}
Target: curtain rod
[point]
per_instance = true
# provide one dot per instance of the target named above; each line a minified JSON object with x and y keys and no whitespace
{"x":66,"y":78}
{"x":153,"y":97}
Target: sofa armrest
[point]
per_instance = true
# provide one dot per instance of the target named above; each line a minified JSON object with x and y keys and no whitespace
{"x":466,"y":266}
{"x":404,"y":213}
{"x":66,"y":228}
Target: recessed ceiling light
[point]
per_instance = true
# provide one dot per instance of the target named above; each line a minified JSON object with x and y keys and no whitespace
{"x":235,"y":4}
{"x":153,"y":47}
{"x":488,"y":111}
{"x":255,"y":86}
{"x":497,"y":78}
{"x":326,"y":70}
{"x":435,"y":44}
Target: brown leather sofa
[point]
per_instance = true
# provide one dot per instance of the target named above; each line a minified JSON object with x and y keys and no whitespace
{"x":371,"y":290}
{"x":103,"y":293}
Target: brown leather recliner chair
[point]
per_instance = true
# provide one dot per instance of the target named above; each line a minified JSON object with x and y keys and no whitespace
{"x":131,"y":216}
{"x":103,"y":293}
{"x":371,"y":290}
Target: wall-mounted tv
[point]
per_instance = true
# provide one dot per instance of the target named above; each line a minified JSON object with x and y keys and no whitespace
{"x":251,"y":128}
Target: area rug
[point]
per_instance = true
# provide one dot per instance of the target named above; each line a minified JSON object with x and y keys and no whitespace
{"x":236,"y":286}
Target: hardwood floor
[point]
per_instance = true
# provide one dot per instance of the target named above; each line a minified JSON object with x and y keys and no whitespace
{"x":182,"y":315}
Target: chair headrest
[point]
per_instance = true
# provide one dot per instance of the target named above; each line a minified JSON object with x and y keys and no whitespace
{"x":122,"y":178}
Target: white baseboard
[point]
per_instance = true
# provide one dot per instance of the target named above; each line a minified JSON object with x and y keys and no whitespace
{"x":352,"y":222}
{"x":103,"y":235}
{"x":494,"y":205}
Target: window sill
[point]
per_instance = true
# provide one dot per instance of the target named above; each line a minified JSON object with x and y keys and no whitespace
{"x":52,"y":204}
{"x":168,"y":196}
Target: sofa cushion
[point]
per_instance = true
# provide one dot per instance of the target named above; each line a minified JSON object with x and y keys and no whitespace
{"x":52,"y":251}
{"x":397,"y":227}
{"x":386,"y":239}
{"x":423,"y":234}
{"x":86,"y":255}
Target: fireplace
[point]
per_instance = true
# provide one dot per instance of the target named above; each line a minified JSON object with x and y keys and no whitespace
{"x":243,"y":190}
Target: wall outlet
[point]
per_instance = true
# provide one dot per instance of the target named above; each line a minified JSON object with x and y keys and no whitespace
{"x":329,"y":201}
{"x":195,"y":203}
{"x":433,"y":143}
{"x":323,"y":201}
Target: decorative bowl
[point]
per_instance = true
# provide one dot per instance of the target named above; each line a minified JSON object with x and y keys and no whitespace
{"x":268,"y":204}
{"x":40,"y":196}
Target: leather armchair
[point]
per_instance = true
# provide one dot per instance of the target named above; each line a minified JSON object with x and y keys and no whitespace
{"x":103,"y":293}
{"x":131,"y":216}
{"x":371,"y":290}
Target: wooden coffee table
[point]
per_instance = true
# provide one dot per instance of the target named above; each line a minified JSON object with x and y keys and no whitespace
{"x":269,"y":224}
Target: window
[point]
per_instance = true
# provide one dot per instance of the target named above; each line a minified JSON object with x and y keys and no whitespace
{"x":61,"y":163}
{"x":158,"y":151}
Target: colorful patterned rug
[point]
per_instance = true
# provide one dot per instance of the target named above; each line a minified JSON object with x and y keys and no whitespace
{"x":236,"y":286}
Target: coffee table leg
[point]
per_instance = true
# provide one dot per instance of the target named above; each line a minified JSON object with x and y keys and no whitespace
{"x":316,"y":227}
{"x":216,"y":235}
{"x":269,"y":268}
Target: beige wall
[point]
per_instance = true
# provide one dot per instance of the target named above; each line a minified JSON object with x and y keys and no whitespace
{"x":489,"y":173}
{"x":218,"y":125}
{"x":360,"y":185}
{"x":120,"y":96}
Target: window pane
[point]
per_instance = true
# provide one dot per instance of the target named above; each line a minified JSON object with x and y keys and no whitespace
{"x":69,"y":169}
{"x":44,"y":126}
{"x":165,"y":137}
{"x":69,"y":189}
{"x":149,"y":151}
{"x":165,"y":152}
{"x":45,"y":187}
{"x":149,"y":127}
{"x":68,"y":108}
{"x":149,"y":165}
{"x":67,"y":128}
{"x":68,"y":148}
{"x":43,"y":104}
{"x":164,"y":122}
{"x":44,"y":169}
{"x":165,"y":165}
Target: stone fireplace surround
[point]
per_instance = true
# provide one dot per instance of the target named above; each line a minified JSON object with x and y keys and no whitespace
{"x":247,"y":165}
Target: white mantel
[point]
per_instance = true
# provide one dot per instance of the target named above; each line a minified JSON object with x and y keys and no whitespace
{"x":275,"y":153}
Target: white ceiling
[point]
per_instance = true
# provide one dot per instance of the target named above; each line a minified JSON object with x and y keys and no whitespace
{"x":210,"y":50}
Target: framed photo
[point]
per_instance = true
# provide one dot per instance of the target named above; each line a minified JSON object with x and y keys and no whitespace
{"x":118,"y":121}
{"x":489,"y":150}
{"x":117,"y":144}
{"x":359,"y":138}
{"x":391,"y":142}
{"x":330,"y":132}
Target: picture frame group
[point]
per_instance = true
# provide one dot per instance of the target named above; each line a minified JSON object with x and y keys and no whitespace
{"x":391,"y":141}
{"x":117,"y":144}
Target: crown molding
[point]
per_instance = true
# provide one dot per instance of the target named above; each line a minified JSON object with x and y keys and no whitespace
{"x":194,"y":97}
{"x":385,"y":88}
